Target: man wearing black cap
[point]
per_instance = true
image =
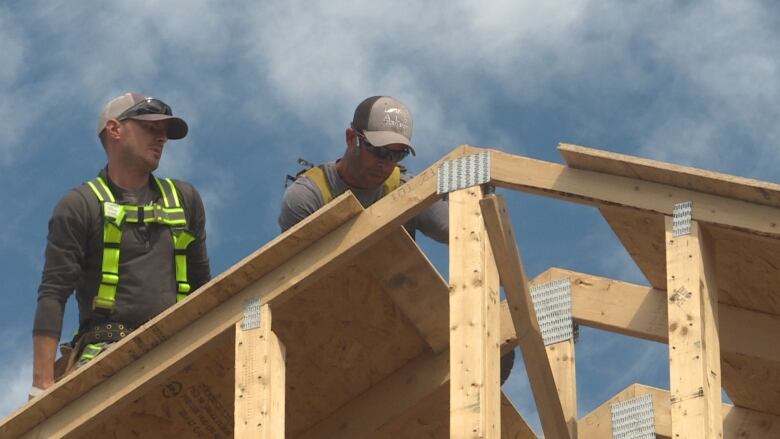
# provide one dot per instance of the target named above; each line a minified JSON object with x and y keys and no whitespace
{"x":129,"y":243}
{"x":377,"y":140}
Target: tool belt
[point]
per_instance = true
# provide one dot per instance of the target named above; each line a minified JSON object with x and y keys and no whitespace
{"x":101,"y":333}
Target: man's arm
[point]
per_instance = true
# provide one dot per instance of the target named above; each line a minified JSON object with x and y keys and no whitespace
{"x":44,"y":352}
{"x":65,"y":247}
{"x":434,"y":222}
{"x":198,"y":266}
{"x":300,"y":200}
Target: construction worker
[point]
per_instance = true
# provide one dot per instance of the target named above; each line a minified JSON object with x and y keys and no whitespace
{"x":129,"y":243}
{"x":378,"y":139}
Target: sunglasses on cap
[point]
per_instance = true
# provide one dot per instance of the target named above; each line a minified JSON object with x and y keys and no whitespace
{"x":393,"y":155}
{"x":146,"y":106}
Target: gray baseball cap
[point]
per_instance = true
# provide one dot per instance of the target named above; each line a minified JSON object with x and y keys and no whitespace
{"x":384,"y":121}
{"x":142,"y":107}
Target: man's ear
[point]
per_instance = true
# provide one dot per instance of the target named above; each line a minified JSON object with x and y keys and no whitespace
{"x":113,"y":129}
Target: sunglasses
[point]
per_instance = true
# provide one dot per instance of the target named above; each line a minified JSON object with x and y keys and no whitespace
{"x":146,"y":106}
{"x":381,"y":153}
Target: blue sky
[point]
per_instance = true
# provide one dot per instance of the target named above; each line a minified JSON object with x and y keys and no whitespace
{"x":264,"y":83}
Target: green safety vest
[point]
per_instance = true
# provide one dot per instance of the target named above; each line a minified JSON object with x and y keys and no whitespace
{"x":170,"y":214}
{"x":318,"y":177}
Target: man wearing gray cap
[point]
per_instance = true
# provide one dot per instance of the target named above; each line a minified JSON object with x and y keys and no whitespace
{"x":377,"y":140}
{"x":129,"y":243}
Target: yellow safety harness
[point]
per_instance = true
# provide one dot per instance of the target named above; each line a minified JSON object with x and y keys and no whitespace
{"x":318,"y":177}
{"x":170,"y":214}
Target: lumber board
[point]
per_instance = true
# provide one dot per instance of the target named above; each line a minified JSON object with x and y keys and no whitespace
{"x":599,"y":190}
{"x":562,"y":360}
{"x":700,"y":180}
{"x":474,"y":321}
{"x":515,"y":283}
{"x":414,"y":284}
{"x":259,"y":380}
{"x":737,"y":422}
{"x":181,"y":331}
{"x":694,"y":345}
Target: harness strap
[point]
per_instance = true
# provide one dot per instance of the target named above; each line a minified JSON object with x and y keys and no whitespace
{"x":171,"y":214}
{"x":318,"y":177}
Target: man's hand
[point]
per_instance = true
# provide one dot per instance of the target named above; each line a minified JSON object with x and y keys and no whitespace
{"x":44,"y":352}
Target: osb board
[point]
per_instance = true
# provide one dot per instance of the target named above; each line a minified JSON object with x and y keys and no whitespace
{"x":341,"y":336}
{"x":746,"y":189}
{"x":415,"y":285}
{"x":197,"y":402}
{"x":748,"y":273}
{"x":430,"y":418}
{"x":752,"y":383}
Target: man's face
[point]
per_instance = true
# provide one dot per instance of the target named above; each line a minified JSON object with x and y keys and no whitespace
{"x":370,"y":171}
{"x":142,"y":143}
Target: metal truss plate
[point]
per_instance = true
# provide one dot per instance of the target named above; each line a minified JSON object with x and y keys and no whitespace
{"x":251,"y":314}
{"x":633,"y":418}
{"x":463,"y":172}
{"x":681,"y":218}
{"x":552,"y":302}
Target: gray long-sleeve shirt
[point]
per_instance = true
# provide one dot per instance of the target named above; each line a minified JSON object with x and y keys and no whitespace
{"x":147,"y":281}
{"x":303,"y":198}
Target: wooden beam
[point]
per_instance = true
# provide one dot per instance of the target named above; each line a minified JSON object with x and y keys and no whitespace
{"x":737,"y":422}
{"x":597,"y":189}
{"x":640,"y":311}
{"x":515,"y":282}
{"x":400,"y":392}
{"x":260,"y":380}
{"x":167,"y":343}
{"x":475,"y":410}
{"x":562,"y":360}
{"x":694,"y":349}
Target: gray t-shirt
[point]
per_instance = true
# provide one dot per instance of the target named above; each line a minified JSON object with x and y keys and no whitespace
{"x":147,"y":281}
{"x":303,"y":198}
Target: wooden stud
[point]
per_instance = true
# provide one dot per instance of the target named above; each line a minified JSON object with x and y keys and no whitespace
{"x":562,"y":357}
{"x":474,"y":325}
{"x":694,"y":350}
{"x":515,"y":282}
{"x":260,"y":380}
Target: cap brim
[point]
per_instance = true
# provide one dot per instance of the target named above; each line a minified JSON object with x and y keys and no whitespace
{"x":384,"y":138}
{"x":177,"y":127}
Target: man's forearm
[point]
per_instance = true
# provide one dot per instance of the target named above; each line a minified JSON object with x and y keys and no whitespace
{"x":44,"y":352}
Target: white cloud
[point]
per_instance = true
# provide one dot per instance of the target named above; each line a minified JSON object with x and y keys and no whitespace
{"x":15,"y":375}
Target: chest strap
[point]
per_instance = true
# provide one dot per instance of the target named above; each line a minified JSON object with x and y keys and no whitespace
{"x":318,"y":177}
{"x":170,"y":214}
